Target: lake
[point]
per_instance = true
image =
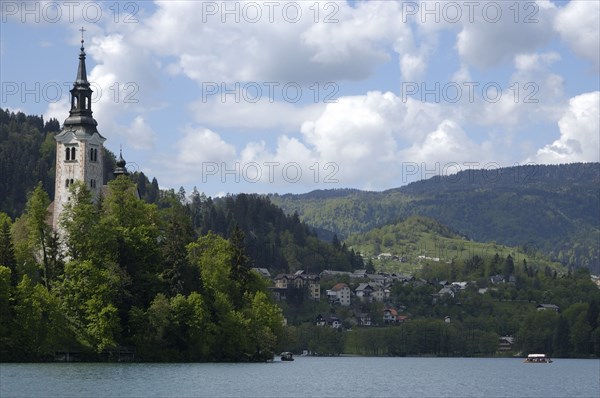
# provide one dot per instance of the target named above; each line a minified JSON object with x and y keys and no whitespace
{"x":308,"y":377}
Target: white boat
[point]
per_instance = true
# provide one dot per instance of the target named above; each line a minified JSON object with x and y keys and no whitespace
{"x":537,"y":358}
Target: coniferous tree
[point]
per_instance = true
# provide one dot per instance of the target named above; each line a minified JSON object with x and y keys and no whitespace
{"x":7,"y":250}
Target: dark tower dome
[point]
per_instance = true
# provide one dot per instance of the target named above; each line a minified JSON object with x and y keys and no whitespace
{"x":121,"y":163}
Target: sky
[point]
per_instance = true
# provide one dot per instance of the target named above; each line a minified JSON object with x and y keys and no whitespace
{"x":278,"y":97}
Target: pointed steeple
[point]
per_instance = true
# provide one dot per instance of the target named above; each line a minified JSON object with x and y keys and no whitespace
{"x":80,"y":115}
{"x":81,"y":79}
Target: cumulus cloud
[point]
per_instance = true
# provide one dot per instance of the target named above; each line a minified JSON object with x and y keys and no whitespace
{"x":139,"y":134}
{"x":485,"y":43}
{"x":447,"y":144}
{"x":202,"y":145}
{"x":262,"y":114}
{"x":579,"y":25}
{"x":338,"y":42}
{"x":579,"y":133}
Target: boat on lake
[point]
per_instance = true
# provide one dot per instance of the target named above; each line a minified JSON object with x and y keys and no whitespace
{"x":287,"y":356}
{"x":537,"y":358}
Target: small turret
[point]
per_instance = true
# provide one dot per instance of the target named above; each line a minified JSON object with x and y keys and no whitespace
{"x":121,"y":163}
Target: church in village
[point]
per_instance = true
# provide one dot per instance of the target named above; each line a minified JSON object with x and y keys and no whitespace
{"x":79,"y":146}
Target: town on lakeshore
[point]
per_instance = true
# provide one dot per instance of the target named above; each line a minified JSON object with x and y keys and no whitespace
{"x":99,"y":262}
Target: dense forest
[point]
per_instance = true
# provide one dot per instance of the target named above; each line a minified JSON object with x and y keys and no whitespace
{"x":133,"y":279}
{"x":166,"y":276}
{"x":553,"y":209}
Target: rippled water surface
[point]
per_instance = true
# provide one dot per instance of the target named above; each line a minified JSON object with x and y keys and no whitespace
{"x":308,"y":377}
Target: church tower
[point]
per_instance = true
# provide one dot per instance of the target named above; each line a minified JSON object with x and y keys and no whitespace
{"x":79,"y":150}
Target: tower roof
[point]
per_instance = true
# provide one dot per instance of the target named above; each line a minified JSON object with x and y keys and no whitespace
{"x":121,"y":163}
{"x":81,"y":79}
{"x":80,"y":118}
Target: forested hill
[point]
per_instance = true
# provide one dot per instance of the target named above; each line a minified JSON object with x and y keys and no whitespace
{"x":274,"y":240}
{"x":28,"y":156}
{"x":550,"y":208}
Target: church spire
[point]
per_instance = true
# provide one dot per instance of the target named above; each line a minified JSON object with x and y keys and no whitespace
{"x":81,"y":71}
{"x":80,"y":115}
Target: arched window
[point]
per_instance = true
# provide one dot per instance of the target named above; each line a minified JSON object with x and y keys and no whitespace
{"x":67,"y":153}
{"x":73,"y":153}
{"x":75,"y":102}
{"x":71,"y":181}
{"x":67,"y":183}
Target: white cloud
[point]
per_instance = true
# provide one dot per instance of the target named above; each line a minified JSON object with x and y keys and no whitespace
{"x":579,"y":133}
{"x":139,"y":134}
{"x":262,"y":114}
{"x":485,"y":43}
{"x":208,"y":50}
{"x":357,"y":134}
{"x":579,"y":25}
{"x":202,"y":145}
{"x":447,"y":144}
{"x":412,"y":67}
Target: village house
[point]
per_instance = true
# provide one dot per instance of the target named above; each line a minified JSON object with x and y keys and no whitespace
{"x":390,"y":315}
{"x":362,"y":318}
{"x":369,"y":292}
{"x":505,"y":343}
{"x":339,"y":294}
{"x":448,"y":290}
{"x":300,"y":280}
{"x":262,"y":272}
{"x":329,"y":320}
{"x":551,"y":307}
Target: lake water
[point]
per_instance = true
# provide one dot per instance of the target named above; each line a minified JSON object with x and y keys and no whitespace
{"x":308,"y":377}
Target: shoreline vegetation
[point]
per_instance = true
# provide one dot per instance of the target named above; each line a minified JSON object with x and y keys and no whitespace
{"x":163,"y":276}
{"x":137,"y":284}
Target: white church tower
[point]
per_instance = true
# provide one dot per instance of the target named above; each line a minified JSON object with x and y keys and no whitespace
{"x":79,"y":150}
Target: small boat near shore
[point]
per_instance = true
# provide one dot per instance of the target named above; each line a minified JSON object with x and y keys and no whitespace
{"x":287,"y":356}
{"x":537,"y":358}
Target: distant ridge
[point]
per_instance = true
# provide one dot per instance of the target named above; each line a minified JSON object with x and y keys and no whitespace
{"x":550,"y":208}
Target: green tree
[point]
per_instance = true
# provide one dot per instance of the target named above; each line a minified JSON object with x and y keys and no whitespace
{"x":6,"y":315}
{"x":7,"y":250}
{"x":178,"y":276}
{"x":128,"y":236}
{"x":509,"y":266}
{"x":561,"y":339}
{"x":79,"y":220}
{"x":90,"y":294}
{"x":37,"y":216}
{"x":39,"y":321}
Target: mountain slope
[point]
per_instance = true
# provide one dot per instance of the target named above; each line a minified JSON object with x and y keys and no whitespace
{"x":416,"y":240}
{"x":554,"y":209}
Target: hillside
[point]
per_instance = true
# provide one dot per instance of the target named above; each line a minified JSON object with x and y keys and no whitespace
{"x":407,"y":245}
{"x":554,"y":209}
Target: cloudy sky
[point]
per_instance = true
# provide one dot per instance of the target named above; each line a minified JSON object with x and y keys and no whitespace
{"x":293,"y":96}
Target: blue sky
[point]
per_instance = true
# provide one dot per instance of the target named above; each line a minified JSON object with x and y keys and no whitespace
{"x":368,"y":95}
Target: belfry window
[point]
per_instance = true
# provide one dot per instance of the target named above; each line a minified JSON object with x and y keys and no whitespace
{"x":67,"y":153}
{"x":73,"y":153}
